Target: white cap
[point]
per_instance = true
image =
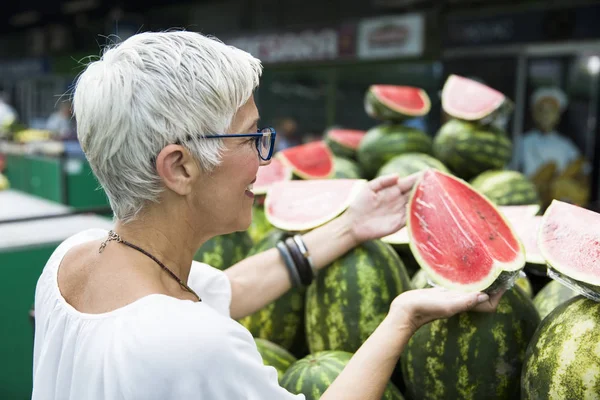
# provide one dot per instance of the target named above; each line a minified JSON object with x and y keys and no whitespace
{"x":552,"y":92}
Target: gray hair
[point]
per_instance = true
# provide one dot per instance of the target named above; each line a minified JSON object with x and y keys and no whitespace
{"x":154,"y":89}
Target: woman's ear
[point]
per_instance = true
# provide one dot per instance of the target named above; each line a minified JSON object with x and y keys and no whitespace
{"x":177,"y":169}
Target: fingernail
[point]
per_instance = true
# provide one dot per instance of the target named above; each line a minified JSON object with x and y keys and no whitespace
{"x":482,"y":297}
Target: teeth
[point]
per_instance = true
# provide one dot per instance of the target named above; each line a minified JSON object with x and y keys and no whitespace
{"x":249,"y":187}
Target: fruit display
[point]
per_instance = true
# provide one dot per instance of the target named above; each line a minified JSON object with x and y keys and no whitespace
{"x":551,"y":296}
{"x":346,"y":169}
{"x":275,"y":356}
{"x":506,"y":188}
{"x":298,"y":206}
{"x":344,"y":142}
{"x":4,"y":183}
{"x":225,"y":250}
{"x":309,"y":161}
{"x":259,"y":227}
{"x":313,"y":374}
{"x":410,"y":163}
{"x":396,"y":103}
{"x":459,"y":237}
{"x":275,"y":171}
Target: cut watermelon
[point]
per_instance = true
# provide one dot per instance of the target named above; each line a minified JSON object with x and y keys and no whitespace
{"x":459,"y":237}
{"x":569,"y":241}
{"x":267,"y":175}
{"x":309,"y":161}
{"x":470,"y":100}
{"x":297,"y":206}
{"x":396,"y":103}
{"x":344,"y":142}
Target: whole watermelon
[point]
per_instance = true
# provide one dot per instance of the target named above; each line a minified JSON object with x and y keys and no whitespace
{"x":223,"y":251}
{"x":506,"y":188}
{"x":384,"y":142}
{"x":275,"y":356}
{"x":410,"y":163}
{"x":551,"y":296}
{"x":313,"y":374}
{"x":351,"y":297}
{"x":471,"y":355}
{"x":563,"y":358}
{"x":282,"y":321}
{"x":346,"y":169}
{"x":469,"y":149}
{"x":259,"y":227}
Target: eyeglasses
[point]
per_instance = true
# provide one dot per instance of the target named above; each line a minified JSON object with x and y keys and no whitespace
{"x":265,"y":141}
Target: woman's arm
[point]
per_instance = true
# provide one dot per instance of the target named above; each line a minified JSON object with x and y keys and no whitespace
{"x":262,"y":278}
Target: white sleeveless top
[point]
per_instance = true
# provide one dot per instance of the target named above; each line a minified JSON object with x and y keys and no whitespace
{"x":157,"y":347}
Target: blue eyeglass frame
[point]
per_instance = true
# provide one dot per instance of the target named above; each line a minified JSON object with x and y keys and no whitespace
{"x":258,"y":135}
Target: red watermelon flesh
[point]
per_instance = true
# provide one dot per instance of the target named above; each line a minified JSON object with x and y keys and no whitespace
{"x":276,"y":171}
{"x":309,"y":161}
{"x":527,"y":229}
{"x":407,"y":100}
{"x":298,"y":206}
{"x":469,"y":100}
{"x":458,"y":236}
{"x":569,"y":240}
{"x":349,"y":138}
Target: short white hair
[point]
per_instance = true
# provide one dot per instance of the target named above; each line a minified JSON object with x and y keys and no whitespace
{"x":151,"y":90}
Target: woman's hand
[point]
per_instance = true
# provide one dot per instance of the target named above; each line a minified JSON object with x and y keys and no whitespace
{"x":380,"y":208}
{"x":415,"y":308}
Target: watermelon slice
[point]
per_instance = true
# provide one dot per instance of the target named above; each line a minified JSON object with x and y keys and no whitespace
{"x":396,"y":103}
{"x":312,"y":160}
{"x":344,"y":142}
{"x":470,"y":100}
{"x":276,"y":171}
{"x":459,"y":237}
{"x":569,"y":241}
{"x":297,"y":206}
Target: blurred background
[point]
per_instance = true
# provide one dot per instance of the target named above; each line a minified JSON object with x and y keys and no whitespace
{"x":320,"y":58}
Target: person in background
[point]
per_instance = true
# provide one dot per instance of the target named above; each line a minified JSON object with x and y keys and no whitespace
{"x":287,"y":133}
{"x":61,"y":122}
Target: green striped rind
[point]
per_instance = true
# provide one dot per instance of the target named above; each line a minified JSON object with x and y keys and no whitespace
{"x":468,"y":149}
{"x":410,"y":163}
{"x":384,"y":142}
{"x":551,"y":296}
{"x":280,"y":322}
{"x":259,"y":227}
{"x":525,"y":285}
{"x":563,"y":358}
{"x":419,"y":280}
{"x":313,"y":374}
{"x":346,"y":169}
{"x":223,"y":251}
{"x":351,"y":297}
{"x":472,"y":355}
{"x":275,"y":356}
{"x":339,"y":150}
{"x":377,"y":110}
{"x":506,"y":187}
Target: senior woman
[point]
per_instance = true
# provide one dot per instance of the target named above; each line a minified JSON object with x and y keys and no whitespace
{"x":169,"y":125}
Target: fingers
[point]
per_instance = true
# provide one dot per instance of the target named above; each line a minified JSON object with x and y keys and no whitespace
{"x":383,"y":182}
{"x":406,"y":184}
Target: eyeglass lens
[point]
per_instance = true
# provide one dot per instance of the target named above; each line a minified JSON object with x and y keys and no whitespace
{"x":264,"y":145}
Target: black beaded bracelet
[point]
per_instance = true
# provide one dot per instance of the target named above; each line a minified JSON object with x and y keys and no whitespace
{"x":289,"y":263}
{"x":306,"y":275}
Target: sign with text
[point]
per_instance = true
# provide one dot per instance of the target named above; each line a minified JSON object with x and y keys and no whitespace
{"x":391,"y":36}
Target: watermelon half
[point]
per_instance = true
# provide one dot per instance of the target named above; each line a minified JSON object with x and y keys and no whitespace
{"x":470,"y":100}
{"x":569,"y":241}
{"x":459,"y":237}
{"x":344,"y":142}
{"x":396,"y":103}
{"x":276,"y":171}
{"x":309,"y":161}
{"x":297,"y":206}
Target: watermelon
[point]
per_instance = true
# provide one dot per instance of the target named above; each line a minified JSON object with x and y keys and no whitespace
{"x":470,"y":100}
{"x":524,"y":284}
{"x":280,"y":322}
{"x":468,"y":149}
{"x":259,"y":227}
{"x":297,"y":206}
{"x":275,"y":171}
{"x":313,"y":374}
{"x":506,"y":187}
{"x":563,"y":358}
{"x":351,"y":297}
{"x":223,"y":251}
{"x":344,"y":142}
{"x":384,"y":142}
{"x":312,"y":160}
{"x":275,"y":356}
{"x":459,"y":237}
{"x":396,"y":103}
{"x":551,"y":296}
{"x":471,"y":355}
{"x":410,"y":163}
{"x":569,"y":240}
{"x":346,"y":169}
